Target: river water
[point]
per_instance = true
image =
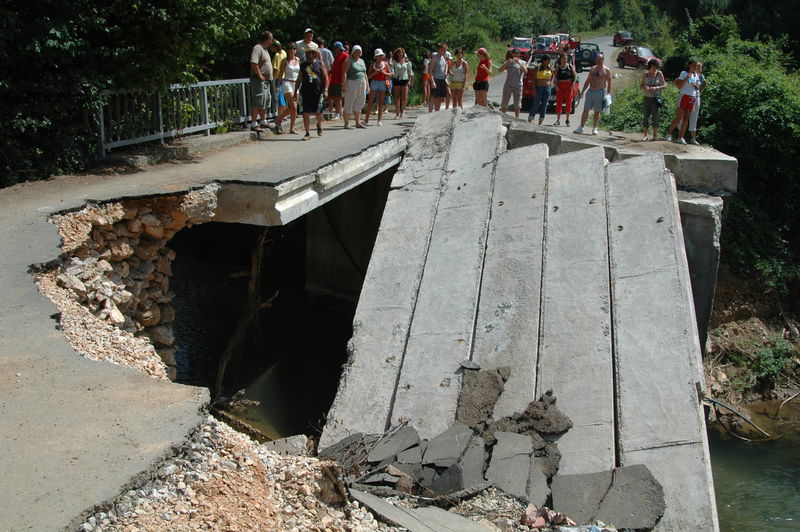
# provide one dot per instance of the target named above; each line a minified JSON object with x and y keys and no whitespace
{"x":758,"y":484}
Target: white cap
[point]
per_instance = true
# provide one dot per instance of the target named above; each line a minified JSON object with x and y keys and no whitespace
{"x":308,"y":30}
{"x":378,"y":52}
{"x":447,"y":55}
{"x":356,"y":47}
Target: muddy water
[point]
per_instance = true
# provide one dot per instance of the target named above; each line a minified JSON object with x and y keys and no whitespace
{"x":758,"y":484}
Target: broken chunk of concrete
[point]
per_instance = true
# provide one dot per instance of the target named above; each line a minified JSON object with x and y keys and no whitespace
{"x":381,"y":478}
{"x":546,"y":418}
{"x":470,"y":364}
{"x":291,"y":446}
{"x":510,"y":465}
{"x":445,"y":449}
{"x":428,"y":519}
{"x":449,"y":481}
{"x":479,"y":393}
{"x":630,"y":497}
{"x":473,"y":463}
{"x":350,"y":452}
{"x":413,"y":471}
{"x":412,"y":455}
{"x":538,"y":491}
{"x":394,"y":443}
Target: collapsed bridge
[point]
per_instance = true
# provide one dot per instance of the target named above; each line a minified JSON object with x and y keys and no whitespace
{"x":567,"y":269}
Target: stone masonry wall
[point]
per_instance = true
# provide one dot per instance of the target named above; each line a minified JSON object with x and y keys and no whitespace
{"x":116,"y":262}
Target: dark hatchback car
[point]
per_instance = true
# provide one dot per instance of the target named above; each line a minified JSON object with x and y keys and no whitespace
{"x":621,"y":38}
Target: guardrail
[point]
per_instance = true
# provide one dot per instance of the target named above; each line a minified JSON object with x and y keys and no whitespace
{"x":129,"y":117}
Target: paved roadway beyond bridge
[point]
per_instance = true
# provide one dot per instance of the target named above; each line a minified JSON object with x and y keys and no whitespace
{"x":566,"y":268}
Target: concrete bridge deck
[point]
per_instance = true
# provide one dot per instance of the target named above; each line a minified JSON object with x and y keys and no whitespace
{"x":564,"y":267}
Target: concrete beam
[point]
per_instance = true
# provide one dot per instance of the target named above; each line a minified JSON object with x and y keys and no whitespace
{"x":507,"y":327}
{"x":701,"y":221}
{"x":657,"y":352}
{"x":444,"y":318}
{"x":575,"y":358}
{"x":704,"y":170}
{"x":389,"y":295}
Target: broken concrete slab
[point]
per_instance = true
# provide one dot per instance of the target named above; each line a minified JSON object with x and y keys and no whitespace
{"x":509,"y":468}
{"x":381,"y":478}
{"x":629,"y":497}
{"x":579,"y":496}
{"x":538,"y":490}
{"x":412,"y":470}
{"x":292,"y":446}
{"x":444,"y":317}
{"x":473,"y":463}
{"x":449,"y":481}
{"x":428,"y":519}
{"x":575,"y":342}
{"x":393,"y":444}
{"x":446,"y":448}
{"x":413,"y":455}
{"x":350,"y":452}
{"x":507,"y":324}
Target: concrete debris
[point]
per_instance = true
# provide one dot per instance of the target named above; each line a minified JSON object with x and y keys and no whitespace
{"x":630,"y":497}
{"x":479,"y":393}
{"x":429,"y":519}
{"x":445,"y":449}
{"x":470,"y":364}
{"x":296,"y":445}
{"x":510,"y":465}
{"x":393,"y":444}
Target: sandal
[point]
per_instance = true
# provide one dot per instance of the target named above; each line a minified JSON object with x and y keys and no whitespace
{"x":319,"y":130}
{"x":308,"y":136}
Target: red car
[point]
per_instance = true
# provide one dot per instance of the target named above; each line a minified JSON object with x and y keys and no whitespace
{"x":524,"y":45}
{"x":621,"y":38}
{"x":529,"y":85}
{"x":636,"y":57}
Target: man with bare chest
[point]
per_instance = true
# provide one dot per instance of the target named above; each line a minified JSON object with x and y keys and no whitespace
{"x":598,"y":84}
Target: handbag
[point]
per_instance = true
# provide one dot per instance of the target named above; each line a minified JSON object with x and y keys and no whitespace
{"x":660,"y":100}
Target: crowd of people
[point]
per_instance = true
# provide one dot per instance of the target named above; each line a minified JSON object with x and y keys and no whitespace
{"x":308,"y":76}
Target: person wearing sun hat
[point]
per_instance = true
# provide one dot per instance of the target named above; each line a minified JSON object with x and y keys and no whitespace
{"x":355,"y":88}
{"x":378,"y":75}
{"x":312,"y":86}
{"x":308,"y":36}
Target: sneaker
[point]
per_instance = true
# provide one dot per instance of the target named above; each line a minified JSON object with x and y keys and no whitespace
{"x":694,"y":141}
{"x":645,"y":138}
{"x":594,"y":131}
{"x":579,"y":131}
{"x":254,"y":126}
{"x":263,"y":124}
{"x":668,"y":138}
{"x":681,"y":141}
{"x":379,"y":123}
{"x":361,"y":126}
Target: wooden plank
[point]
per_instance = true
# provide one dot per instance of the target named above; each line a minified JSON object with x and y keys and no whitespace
{"x":507,"y":328}
{"x":444,"y":317}
{"x":389,"y":293}
{"x":657,"y":349}
{"x":575,"y":358}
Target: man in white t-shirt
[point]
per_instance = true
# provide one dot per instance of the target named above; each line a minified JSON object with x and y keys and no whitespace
{"x":689,"y":84}
{"x":260,"y":78}
{"x":308,"y":37}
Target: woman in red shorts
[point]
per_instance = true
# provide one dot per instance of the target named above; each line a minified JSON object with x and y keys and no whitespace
{"x":565,"y":79}
{"x":689,"y":83}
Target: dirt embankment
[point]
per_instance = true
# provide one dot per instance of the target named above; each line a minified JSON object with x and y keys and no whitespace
{"x":753,"y":348}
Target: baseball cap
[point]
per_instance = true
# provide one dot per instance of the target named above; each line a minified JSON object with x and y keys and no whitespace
{"x":308,"y":30}
{"x":480,"y":51}
{"x":338,"y":44}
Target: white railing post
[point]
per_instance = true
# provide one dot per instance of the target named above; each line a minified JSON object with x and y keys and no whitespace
{"x":204,"y":108}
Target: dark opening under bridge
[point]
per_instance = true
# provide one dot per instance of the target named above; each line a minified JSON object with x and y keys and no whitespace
{"x":566,"y":268}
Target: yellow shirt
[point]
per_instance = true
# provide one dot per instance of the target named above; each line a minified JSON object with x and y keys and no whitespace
{"x":544,"y":74}
{"x":277,"y":61}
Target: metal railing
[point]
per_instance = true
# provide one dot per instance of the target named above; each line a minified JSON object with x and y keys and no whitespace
{"x":135,"y":116}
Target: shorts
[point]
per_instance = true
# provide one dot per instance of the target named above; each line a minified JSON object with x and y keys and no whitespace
{"x":426,"y":77}
{"x":288,"y":88}
{"x":310,"y":102}
{"x":399,"y":82}
{"x":440,"y":91}
{"x":687,"y":102}
{"x":457,"y":85}
{"x":594,"y":100}
{"x":480,"y":86}
{"x":508,"y":93}
{"x":260,"y":95}
{"x":377,"y":85}
{"x":335,"y":90}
